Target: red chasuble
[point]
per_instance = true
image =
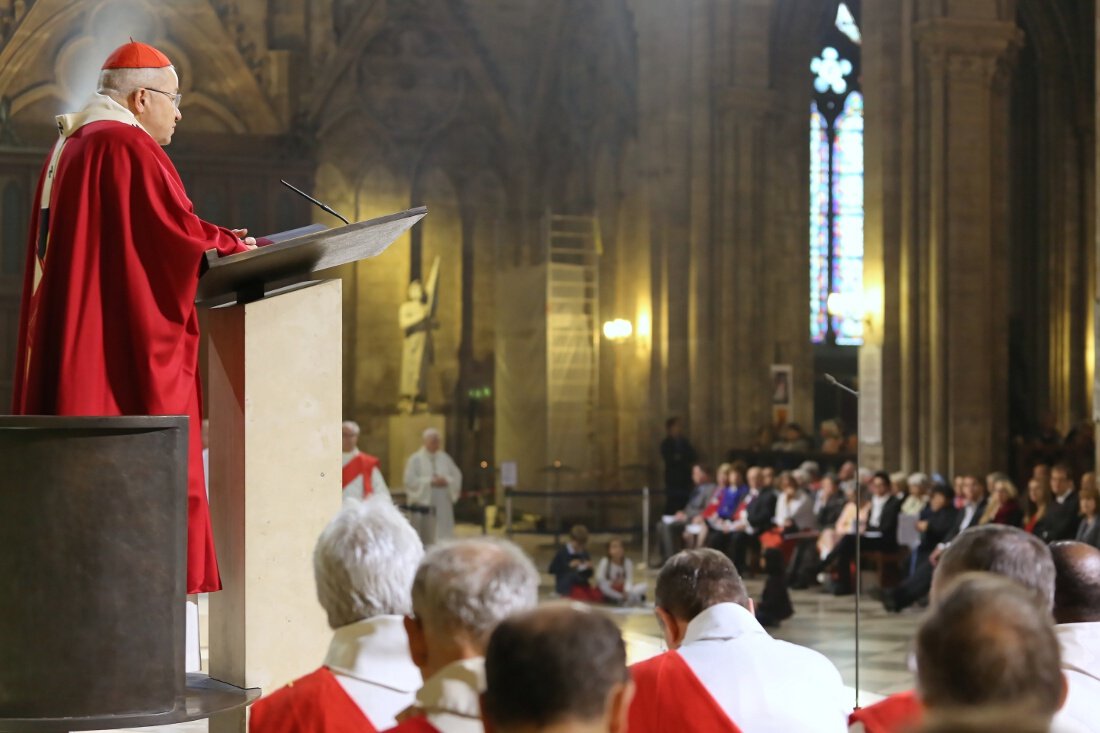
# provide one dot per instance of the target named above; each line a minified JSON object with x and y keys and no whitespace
{"x":669,"y":697}
{"x":898,"y":713}
{"x":361,"y":465}
{"x":108,"y":323}
{"x":315,"y":703}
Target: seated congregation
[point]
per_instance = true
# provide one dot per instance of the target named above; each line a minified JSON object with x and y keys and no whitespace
{"x":454,"y":639}
{"x":805,"y":526}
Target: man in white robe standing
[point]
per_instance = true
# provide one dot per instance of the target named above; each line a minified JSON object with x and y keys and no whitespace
{"x":433,"y":484}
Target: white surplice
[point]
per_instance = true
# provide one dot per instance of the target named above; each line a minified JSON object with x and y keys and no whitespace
{"x":439,"y":522}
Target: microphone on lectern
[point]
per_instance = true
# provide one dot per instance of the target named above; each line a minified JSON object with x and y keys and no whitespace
{"x":307,"y":197}
{"x":840,"y":385}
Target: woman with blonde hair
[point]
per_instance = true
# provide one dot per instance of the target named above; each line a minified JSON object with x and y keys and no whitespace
{"x":1004,"y":505}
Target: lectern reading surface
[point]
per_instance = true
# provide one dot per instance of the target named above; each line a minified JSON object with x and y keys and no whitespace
{"x":248,"y":276}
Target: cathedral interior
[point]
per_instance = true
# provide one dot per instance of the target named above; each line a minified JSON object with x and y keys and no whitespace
{"x":873,"y":219}
{"x":628,"y":217}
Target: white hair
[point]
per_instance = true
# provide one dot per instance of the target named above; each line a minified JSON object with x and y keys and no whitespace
{"x":119,"y":84}
{"x":919,"y":479}
{"x":470,"y":586}
{"x":430,"y":433}
{"x":365,"y":561}
{"x":350,"y":425}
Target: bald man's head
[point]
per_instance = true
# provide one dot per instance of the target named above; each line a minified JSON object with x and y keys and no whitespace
{"x":1076,"y":582}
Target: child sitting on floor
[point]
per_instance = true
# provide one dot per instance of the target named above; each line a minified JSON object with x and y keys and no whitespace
{"x":572,"y":568}
{"x":615,"y":577}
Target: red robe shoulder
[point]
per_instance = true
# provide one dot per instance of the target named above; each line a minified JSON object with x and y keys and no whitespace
{"x":110,"y":327}
{"x":897,"y":713}
{"x":668,"y":696}
{"x":315,"y":703}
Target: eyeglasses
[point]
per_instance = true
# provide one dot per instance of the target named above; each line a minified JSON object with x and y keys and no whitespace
{"x":176,"y":98}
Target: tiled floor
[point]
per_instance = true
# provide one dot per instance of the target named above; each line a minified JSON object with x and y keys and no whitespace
{"x":821,"y":622}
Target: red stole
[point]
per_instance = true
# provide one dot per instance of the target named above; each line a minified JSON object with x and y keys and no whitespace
{"x":415,"y":724}
{"x":669,"y":697}
{"x":112,"y":328}
{"x":315,"y":703}
{"x":898,"y":713}
{"x":361,"y":465}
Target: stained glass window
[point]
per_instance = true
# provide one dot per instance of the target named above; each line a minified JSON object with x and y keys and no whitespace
{"x":819,"y":224}
{"x":836,"y":188}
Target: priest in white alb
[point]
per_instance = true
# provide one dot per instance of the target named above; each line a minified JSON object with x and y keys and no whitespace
{"x":433,"y":484}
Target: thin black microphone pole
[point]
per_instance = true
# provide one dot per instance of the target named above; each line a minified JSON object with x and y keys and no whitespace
{"x":859,"y":554}
{"x":307,"y":197}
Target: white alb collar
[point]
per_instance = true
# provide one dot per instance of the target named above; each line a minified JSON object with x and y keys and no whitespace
{"x":722,"y":622}
{"x":456,"y":689}
{"x":375,"y":650}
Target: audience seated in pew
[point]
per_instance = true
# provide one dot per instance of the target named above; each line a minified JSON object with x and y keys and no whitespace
{"x":560,"y":668}
{"x":879,"y":534}
{"x":364,"y":565}
{"x":917,"y":585}
{"x":462,"y":590}
{"x":723,"y":672}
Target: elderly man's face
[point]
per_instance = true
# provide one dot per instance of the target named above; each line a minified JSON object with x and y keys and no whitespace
{"x":755,"y":478}
{"x":350,"y":438}
{"x":432,"y":442}
{"x":155,"y":108}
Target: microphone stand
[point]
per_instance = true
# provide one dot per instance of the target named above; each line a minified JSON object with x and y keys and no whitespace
{"x":859,"y":554}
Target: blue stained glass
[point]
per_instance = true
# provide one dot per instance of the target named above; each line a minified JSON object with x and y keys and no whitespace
{"x":819,"y":224}
{"x":847,"y":234}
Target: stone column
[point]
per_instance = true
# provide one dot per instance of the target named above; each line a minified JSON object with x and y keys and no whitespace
{"x":960,"y":144}
{"x":887,"y":86}
{"x":745,"y":302}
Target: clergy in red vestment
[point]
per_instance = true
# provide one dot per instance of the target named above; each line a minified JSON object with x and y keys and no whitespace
{"x":462,"y":590}
{"x":364,"y":565}
{"x":362,"y":476}
{"x":108,"y":323}
{"x":723,"y":673}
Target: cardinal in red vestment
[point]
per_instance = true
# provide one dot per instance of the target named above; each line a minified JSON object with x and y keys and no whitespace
{"x":108,"y":323}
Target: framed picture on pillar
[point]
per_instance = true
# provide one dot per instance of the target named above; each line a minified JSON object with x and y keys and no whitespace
{"x":782,"y":388}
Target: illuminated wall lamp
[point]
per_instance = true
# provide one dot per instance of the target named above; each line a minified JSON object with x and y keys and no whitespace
{"x":618,"y":330}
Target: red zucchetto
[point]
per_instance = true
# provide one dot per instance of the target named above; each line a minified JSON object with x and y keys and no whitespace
{"x":134,"y":55}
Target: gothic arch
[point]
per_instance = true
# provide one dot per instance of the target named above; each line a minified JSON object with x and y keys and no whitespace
{"x":58,"y":46}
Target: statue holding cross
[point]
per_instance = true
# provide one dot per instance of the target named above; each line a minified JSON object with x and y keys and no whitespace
{"x":416,"y":317}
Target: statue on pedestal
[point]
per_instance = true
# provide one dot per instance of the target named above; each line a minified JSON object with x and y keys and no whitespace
{"x":417,"y":319}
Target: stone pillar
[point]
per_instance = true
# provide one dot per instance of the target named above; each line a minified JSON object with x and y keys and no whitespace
{"x":745,"y":301}
{"x":962,"y":98}
{"x":887,"y":86}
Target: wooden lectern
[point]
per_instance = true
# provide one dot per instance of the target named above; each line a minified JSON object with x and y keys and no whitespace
{"x":275,"y":397}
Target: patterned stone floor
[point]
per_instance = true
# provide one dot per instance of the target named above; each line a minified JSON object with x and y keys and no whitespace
{"x":821,"y":622}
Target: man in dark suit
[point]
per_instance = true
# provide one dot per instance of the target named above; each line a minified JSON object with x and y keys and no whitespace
{"x":880,"y":534}
{"x":1063,"y":515}
{"x":755,"y":518}
{"x":679,"y":457}
{"x":920,"y":582}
